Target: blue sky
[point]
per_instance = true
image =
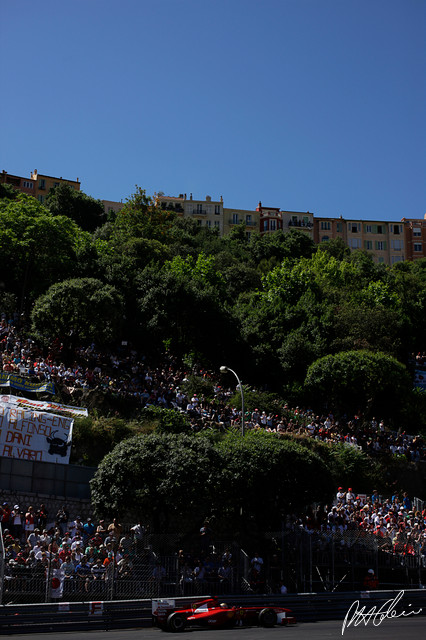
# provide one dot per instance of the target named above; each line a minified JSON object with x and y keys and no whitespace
{"x":307,"y":105}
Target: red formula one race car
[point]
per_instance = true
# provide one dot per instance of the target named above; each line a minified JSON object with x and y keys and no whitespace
{"x":212,"y":614}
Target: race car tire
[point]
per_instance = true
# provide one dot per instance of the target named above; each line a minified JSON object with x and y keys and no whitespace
{"x":176,"y":622}
{"x":267,"y":618}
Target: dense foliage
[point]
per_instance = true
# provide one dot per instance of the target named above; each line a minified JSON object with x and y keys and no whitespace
{"x":276,"y":308}
{"x":178,"y":480}
{"x":318,"y":326}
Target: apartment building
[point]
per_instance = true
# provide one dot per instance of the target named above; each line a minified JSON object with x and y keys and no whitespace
{"x":37,"y":185}
{"x":248,"y":217}
{"x":414,"y":238}
{"x":43,"y":184}
{"x":206,"y":213}
{"x":112,"y":206}
{"x":388,"y":242}
{"x":300,"y":221}
{"x":385,"y":240}
{"x":328,"y":228}
{"x":26,"y":185}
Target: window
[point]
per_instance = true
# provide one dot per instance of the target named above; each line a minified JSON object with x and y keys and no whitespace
{"x":396,"y":245}
{"x":397,"y":259}
{"x":273,"y":226}
{"x":418,"y":246}
{"x":265,"y":225}
{"x":368,"y":228}
{"x":379,"y":228}
{"x":355,"y":243}
{"x":354,"y":227}
{"x":28,"y":184}
{"x":248,"y":235}
{"x":325,"y":239}
{"x":41,"y":198}
{"x":217,"y":224}
{"x":368,"y":245}
{"x":208,"y":223}
{"x":417,"y":231}
{"x":217,"y":209}
{"x":381,"y":260}
{"x":325,"y":225}
{"x":42,"y":183}
{"x":339,"y":227}
{"x":235,"y":218}
{"x":199,"y":208}
{"x":248,"y":219}
{"x":380,"y":245}
{"x":396,"y":229}
{"x":199,"y":222}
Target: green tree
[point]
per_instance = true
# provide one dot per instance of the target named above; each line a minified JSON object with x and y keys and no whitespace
{"x":36,"y":248}
{"x":350,"y":381}
{"x":80,"y":309}
{"x":176,"y":480}
{"x":174,"y":306}
{"x":264,"y":477}
{"x":139,"y":218}
{"x":169,"y":479}
{"x":335,"y":247}
{"x":87,"y":212}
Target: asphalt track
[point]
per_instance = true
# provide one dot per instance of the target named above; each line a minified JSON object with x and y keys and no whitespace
{"x":398,"y":629}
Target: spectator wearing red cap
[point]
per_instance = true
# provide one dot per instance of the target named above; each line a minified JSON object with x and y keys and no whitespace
{"x":340,"y":496}
{"x":350,"y":498}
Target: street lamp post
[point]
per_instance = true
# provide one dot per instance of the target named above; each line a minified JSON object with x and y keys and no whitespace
{"x":225,"y":370}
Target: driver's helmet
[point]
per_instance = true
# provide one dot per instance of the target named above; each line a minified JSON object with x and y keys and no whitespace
{"x":223,"y":605}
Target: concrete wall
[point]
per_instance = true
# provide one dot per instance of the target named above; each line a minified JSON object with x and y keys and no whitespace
{"x":26,"y":482}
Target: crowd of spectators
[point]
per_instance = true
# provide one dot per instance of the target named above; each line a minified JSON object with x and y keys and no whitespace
{"x":85,"y":553}
{"x":394,"y":523}
{"x":127,"y":375}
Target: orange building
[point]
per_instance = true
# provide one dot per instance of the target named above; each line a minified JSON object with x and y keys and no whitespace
{"x":43,"y":184}
{"x":38,"y":185}
{"x":415,"y":238}
{"x":26,"y":185}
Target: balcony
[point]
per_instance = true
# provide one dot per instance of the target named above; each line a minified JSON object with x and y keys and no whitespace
{"x":300,"y":224}
{"x":199,"y":212}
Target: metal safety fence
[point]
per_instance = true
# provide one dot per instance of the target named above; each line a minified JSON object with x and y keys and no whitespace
{"x":155,"y":566}
{"x":315,"y":561}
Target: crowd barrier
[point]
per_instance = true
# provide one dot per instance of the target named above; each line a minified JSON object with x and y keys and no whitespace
{"x":109,"y":615}
{"x":303,"y":561}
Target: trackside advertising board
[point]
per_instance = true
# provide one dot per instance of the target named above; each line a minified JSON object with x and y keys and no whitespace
{"x":34,"y":435}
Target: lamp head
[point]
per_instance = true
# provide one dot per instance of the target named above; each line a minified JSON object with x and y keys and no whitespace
{"x":224,"y":369}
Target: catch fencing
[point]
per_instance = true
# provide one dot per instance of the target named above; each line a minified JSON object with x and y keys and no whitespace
{"x":315,"y":561}
{"x":303,"y":561}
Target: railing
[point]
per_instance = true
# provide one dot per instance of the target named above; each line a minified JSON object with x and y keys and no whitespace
{"x":314,"y":561}
{"x":136,"y":614}
{"x":300,"y":223}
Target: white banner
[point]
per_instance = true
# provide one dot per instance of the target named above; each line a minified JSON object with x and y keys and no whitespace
{"x":57,"y":583}
{"x":44,"y":405}
{"x":34,"y":435}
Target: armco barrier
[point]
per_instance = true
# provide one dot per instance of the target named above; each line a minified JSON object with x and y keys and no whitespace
{"x":84,"y":616}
